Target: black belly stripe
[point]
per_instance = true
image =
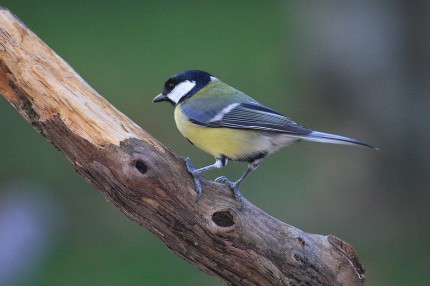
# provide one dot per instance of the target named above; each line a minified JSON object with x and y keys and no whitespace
{"x":252,"y":157}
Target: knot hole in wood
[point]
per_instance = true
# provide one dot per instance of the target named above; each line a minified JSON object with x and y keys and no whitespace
{"x":140,"y":166}
{"x":223,"y":218}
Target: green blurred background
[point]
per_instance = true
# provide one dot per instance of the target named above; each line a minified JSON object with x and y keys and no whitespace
{"x":356,"y":69}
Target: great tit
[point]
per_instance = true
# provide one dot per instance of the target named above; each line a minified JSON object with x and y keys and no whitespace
{"x":230,"y":125}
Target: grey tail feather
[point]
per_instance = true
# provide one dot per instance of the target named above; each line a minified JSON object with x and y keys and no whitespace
{"x":335,"y":139}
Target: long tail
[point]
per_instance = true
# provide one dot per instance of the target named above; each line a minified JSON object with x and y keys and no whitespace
{"x":334,"y":139}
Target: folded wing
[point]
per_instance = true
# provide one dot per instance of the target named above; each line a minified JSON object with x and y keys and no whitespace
{"x":246,"y":116}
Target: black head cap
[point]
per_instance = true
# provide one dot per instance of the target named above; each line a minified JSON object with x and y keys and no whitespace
{"x":197,"y":77}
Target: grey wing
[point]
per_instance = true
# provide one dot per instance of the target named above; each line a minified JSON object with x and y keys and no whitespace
{"x":248,"y":116}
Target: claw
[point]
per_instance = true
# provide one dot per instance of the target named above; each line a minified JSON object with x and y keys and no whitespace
{"x":189,"y":165}
{"x":196,"y":176}
{"x":235,"y":189}
{"x":222,"y":179}
{"x":198,"y":187}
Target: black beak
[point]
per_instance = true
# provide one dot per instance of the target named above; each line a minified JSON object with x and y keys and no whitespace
{"x":160,"y":97}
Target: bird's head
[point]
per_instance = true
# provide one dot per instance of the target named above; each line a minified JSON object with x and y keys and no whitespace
{"x":183,"y":85}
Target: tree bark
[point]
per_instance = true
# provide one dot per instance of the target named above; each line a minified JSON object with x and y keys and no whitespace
{"x":150,"y":184}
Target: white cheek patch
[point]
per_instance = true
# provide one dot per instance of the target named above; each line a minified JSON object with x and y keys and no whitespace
{"x":223,"y":112}
{"x":181,"y":90}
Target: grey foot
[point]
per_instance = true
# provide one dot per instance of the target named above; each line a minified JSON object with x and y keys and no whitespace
{"x":235,"y":189}
{"x":196,"y":174}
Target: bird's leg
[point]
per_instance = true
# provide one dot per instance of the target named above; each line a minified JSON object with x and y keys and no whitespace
{"x":220,"y":162}
{"x":235,"y":186}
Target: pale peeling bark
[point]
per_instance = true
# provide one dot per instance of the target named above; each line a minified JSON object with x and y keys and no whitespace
{"x":150,"y":184}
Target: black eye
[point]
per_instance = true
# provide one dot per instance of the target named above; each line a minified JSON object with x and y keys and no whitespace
{"x":170,"y":85}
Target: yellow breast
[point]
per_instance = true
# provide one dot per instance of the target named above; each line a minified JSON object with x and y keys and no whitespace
{"x":233,"y":143}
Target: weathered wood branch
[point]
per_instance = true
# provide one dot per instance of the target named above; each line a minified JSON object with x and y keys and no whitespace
{"x":150,"y":184}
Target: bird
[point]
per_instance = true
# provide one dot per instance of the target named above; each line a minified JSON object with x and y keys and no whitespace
{"x":231,"y":126}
